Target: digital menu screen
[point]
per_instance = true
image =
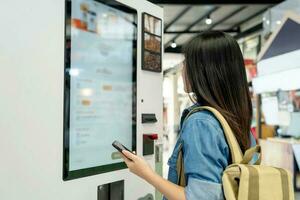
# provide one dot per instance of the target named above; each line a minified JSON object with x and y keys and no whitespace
{"x":100,"y":85}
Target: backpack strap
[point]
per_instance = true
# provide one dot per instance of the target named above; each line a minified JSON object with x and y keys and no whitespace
{"x":180,"y":168}
{"x":236,"y":153}
{"x":235,"y":150}
{"x":249,"y":154}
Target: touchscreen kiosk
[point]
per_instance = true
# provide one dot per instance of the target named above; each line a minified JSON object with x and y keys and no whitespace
{"x":100,"y":86}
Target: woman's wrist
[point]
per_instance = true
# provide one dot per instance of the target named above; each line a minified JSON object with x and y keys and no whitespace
{"x":153,"y":178}
{"x":149,"y":174}
{"x":167,"y":188}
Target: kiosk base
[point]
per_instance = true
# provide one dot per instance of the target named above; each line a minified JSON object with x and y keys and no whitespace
{"x":111,"y":191}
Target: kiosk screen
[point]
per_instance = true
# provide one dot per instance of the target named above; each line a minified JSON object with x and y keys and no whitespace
{"x":100,"y":85}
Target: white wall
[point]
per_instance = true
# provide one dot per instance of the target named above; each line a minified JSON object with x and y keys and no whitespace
{"x":31,"y":120}
{"x":279,"y":63}
{"x":280,"y":72}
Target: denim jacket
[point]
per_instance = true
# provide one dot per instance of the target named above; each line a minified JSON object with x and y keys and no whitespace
{"x":205,"y":154}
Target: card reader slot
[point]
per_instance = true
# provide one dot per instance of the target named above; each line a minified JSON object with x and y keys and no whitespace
{"x":148,"y":118}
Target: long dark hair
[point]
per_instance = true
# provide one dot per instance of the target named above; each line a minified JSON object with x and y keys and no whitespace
{"x":216,"y":75}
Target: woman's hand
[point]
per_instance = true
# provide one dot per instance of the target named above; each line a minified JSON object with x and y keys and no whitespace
{"x":137,"y":165}
{"x":140,"y":167}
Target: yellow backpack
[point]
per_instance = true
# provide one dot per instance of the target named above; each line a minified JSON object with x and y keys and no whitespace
{"x":241,"y":180}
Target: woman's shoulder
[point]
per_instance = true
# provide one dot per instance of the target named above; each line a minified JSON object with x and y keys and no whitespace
{"x":204,"y":142}
{"x":203,"y":118}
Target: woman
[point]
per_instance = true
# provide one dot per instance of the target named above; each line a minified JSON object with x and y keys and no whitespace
{"x":214,"y":73}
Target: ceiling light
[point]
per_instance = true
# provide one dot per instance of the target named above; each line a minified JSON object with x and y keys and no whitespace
{"x":268,"y":22}
{"x":173,"y":44}
{"x":278,"y":22}
{"x":208,"y":20}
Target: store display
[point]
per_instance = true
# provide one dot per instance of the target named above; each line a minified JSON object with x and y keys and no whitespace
{"x":285,"y":101}
{"x":270,"y":109}
{"x":152,"y":43}
{"x":295,"y":95}
{"x":294,"y":126}
{"x":100,"y":82}
{"x":251,"y":69}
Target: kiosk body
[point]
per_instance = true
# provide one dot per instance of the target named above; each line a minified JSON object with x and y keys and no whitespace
{"x":32,"y":107}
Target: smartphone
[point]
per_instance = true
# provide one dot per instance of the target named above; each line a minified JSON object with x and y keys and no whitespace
{"x":120,"y":147}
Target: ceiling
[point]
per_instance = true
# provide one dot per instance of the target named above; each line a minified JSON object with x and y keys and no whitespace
{"x":182,"y":22}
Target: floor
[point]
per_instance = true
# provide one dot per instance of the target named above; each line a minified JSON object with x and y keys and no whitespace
{"x":297,"y":196}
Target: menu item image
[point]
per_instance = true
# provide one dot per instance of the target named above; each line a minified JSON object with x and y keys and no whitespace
{"x":152,"y":43}
{"x":152,"y":62}
{"x":152,"y":24}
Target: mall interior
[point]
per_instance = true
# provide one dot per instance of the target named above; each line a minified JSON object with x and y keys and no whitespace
{"x":77,"y":75}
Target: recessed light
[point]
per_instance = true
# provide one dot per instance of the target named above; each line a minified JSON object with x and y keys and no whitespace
{"x":208,"y":20}
{"x":173,"y":44}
